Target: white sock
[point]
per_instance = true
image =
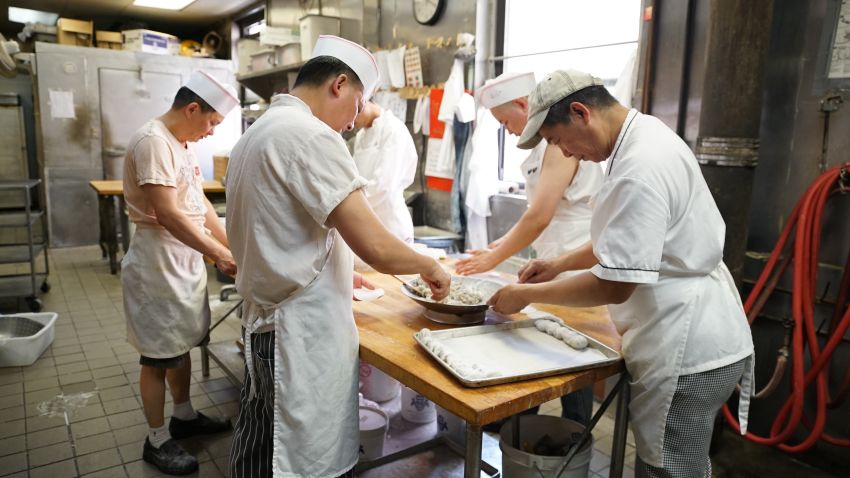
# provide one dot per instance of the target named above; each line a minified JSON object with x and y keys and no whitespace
{"x":184,"y":411}
{"x":158,"y":436}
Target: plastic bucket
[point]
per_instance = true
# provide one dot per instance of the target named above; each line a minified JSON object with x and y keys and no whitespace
{"x":520,"y":464}
{"x":416,"y":408}
{"x":376,"y":385}
{"x":373,"y":432}
{"x":451,"y":426}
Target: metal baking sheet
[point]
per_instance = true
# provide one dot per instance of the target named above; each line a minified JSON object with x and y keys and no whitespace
{"x":517,"y":351}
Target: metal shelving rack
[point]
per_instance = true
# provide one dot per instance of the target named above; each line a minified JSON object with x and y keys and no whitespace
{"x":30,"y":284}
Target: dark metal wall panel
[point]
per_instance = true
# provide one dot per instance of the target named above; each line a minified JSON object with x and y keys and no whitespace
{"x":695,"y":72}
{"x":792,"y":131}
{"x":670,"y":52}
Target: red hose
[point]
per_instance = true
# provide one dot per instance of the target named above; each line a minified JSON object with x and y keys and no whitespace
{"x":806,"y":225}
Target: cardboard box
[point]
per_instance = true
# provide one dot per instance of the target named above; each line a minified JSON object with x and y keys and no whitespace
{"x":74,"y":32}
{"x":220,"y":166}
{"x":149,"y":41}
{"x":109,"y":40}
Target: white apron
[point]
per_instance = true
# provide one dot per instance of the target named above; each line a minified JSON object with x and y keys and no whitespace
{"x":165,"y":294}
{"x":677,"y":327}
{"x":570,"y":226}
{"x":316,"y":411}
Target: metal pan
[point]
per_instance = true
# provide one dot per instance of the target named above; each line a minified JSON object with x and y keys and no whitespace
{"x":485,"y":288}
{"x":610,"y":355}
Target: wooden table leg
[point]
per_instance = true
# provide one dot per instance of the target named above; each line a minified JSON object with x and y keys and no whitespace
{"x":621,"y":428}
{"x":108,"y":234}
{"x":125,"y":224}
{"x":472,"y":463}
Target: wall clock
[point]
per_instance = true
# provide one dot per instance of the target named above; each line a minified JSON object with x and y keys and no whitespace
{"x":427,"y":12}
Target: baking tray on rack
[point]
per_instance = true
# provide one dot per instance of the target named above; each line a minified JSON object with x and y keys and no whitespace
{"x":516,"y":351}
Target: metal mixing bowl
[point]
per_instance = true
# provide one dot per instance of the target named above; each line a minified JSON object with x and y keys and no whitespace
{"x":485,"y":288}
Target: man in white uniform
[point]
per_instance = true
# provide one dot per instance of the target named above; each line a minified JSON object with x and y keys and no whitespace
{"x":163,"y":275}
{"x":558,"y":216}
{"x":656,"y":259}
{"x":293,"y":196}
{"x":386,"y":156}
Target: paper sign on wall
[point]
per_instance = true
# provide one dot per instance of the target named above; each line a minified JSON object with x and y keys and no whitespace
{"x":413,"y":67}
{"x":393,"y":102}
{"x":62,"y":104}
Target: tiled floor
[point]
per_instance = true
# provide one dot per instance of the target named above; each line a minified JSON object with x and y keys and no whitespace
{"x":77,"y":411}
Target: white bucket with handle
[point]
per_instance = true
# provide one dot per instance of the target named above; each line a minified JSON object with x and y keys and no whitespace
{"x":373,"y":432}
{"x":451,"y":426}
{"x":518,"y":463}
{"x":416,"y":408}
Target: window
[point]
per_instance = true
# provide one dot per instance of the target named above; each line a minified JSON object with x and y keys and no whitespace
{"x":599,"y":37}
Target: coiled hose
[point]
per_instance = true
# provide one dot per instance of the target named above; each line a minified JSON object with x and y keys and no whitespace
{"x":805,"y":223}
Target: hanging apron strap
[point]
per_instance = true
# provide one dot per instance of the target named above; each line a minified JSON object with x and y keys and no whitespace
{"x":747,"y":390}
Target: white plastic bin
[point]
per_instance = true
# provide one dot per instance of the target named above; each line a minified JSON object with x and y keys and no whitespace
{"x":520,"y":464}
{"x":373,"y":431}
{"x":416,"y":408}
{"x":451,"y":426}
{"x":376,"y":385}
{"x":22,"y":342}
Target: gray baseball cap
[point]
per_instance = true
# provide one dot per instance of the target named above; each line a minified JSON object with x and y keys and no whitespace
{"x":553,"y":88}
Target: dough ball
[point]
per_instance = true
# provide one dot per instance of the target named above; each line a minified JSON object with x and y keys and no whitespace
{"x":463,"y":370}
{"x":575,"y":340}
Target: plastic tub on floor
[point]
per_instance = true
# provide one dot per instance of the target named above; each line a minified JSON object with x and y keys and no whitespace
{"x":521,"y":464}
{"x":374,"y":423}
{"x":451,"y":426}
{"x":376,"y":385}
{"x":416,"y":408}
{"x":24,"y":337}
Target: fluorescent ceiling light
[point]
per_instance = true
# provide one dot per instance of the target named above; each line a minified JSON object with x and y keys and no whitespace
{"x":25,"y":15}
{"x":163,"y":4}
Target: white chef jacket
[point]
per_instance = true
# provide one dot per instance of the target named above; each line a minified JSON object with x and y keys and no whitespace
{"x":655,"y":223}
{"x":386,"y":156}
{"x":286,"y":174}
{"x":570,"y":226}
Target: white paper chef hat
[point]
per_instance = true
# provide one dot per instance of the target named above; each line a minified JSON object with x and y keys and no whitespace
{"x":355,"y":56}
{"x":220,"y":96}
{"x":504,"y":88}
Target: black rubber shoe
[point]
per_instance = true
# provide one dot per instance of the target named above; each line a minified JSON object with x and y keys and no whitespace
{"x":201,"y":425}
{"x":170,"y":458}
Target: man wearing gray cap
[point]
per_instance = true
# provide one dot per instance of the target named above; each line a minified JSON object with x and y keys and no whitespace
{"x":656,"y":259}
{"x":163,"y":275}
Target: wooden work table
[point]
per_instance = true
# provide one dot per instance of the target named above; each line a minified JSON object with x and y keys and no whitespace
{"x":387,"y":325}
{"x":110,"y":192}
{"x":115,"y":187}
